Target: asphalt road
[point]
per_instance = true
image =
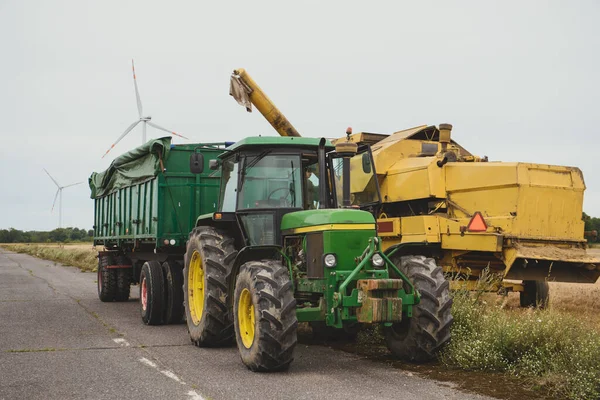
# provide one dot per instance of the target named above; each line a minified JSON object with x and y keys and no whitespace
{"x":58,"y":341}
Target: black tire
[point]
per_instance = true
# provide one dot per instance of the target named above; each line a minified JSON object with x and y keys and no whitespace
{"x":535,"y":294}
{"x":152,"y":293}
{"x":418,"y":339}
{"x":173,"y":274}
{"x":123,"y":276}
{"x":107,"y":279}
{"x":273,"y":338}
{"x":211,"y":251}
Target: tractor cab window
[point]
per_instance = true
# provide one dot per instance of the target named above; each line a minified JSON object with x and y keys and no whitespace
{"x":364,"y":188}
{"x":229,"y":179}
{"x":271,"y":181}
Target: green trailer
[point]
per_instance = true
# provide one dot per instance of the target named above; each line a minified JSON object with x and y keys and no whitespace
{"x":145,"y":205}
{"x":247,"y":241}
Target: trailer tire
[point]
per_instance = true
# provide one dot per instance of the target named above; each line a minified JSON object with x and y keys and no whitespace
{"x":265,"y":316}
{"x":173,"y":274}
{"x":123,"y":279}
{"x":208,"y":263}
{"x":535,"y":294}
{"x":419,"y":338}
{"x":107,"y":279}
{"x":152,"y":293}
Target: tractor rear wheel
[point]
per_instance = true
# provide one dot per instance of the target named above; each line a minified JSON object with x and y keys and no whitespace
{"x":265,"y":320}
{"x":152,"y":293}
{"x":107,"y":279}
{"x":535,"y":294}
{"x":173,"y":274}
{"x":207,"y":276}
{"x":420,"y":337}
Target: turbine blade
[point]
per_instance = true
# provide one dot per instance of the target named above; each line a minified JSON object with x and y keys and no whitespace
{"x":122,"y":136}
{"x":54,"y":202}
{"x":72,"y":184}
{"x":53,"y":180}
{"x":166,"y":130}
{"x":137,"y":93}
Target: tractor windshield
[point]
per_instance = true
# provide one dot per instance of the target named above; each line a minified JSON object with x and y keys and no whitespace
{"x":364,"y":188}
{"x":271,"y":181}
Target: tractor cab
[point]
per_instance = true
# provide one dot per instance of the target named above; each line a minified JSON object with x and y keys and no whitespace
{"x":265,"y":178}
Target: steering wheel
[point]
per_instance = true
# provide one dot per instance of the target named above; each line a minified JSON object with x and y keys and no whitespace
{"x":289,"y":193}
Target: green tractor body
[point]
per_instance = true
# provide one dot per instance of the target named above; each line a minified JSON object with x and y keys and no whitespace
{"x":282,"y":249}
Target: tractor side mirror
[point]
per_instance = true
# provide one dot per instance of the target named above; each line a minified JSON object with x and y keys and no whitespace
{"x":197,"y":163}
{"x":366,"y":163}
{"x":213,"y":165}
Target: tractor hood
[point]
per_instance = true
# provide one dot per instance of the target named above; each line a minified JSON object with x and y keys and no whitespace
{"x":327,"y":219}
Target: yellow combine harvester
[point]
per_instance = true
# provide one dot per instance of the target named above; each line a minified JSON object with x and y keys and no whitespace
{"x":438,"y":200}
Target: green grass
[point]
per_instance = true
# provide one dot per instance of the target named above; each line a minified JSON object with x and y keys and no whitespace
{"x":550,"y":350}
{"x":82,"y":258}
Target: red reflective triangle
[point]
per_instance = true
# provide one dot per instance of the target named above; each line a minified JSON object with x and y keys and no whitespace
{"x":477,"y":223}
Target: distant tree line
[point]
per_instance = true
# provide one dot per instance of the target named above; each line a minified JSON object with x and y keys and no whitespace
{"x":57,"y":235}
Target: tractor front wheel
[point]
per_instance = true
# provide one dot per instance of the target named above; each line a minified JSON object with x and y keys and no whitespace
{"x":420,"y":337}
{"x":535,"y":294}
{"x":265,"y":316}
{"x":207,"y":274}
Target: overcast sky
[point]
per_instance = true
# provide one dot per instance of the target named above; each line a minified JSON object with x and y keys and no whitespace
{"x":518,"y":80}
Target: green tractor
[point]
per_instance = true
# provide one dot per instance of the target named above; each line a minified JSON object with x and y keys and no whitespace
{"x":286,"y":246}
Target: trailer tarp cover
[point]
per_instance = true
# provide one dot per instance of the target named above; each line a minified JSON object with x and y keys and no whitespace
{"x":133,"y":167}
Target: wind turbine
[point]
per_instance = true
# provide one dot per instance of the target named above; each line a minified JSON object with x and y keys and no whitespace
{"x":144,"y":120}
{"x":59,"y":194}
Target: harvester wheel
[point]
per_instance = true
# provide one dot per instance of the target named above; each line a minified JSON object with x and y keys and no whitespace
{"x":152,"y":293}
{"x":535,"y":294}
{"x":174,"y":292}
{"x":123,"y":279}
{"x":207,"y":274}
{"x":265,"y":320}
{"x":107,"y":279}
{"x":420,"y":337}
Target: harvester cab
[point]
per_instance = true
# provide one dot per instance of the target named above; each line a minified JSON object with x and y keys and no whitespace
{"x":283,"y":248}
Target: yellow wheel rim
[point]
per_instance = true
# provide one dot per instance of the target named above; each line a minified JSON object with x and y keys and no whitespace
{"x":196,"y":288}
{"x":246,"y":318}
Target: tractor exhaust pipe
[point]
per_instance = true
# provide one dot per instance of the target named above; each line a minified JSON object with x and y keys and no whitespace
{"x":347,"y":150}
{"x":323,"y":198}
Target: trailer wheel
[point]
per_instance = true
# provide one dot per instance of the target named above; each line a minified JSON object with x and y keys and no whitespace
{"x":265,"y":320}
{"x":123,"y":279}
{"x":107,"y":279}
{"x":420,"y":337}
{"x":152,"y":293}
{"x":207,"y":277}
{"x":535,"y":294}
{"x":173,"y":274}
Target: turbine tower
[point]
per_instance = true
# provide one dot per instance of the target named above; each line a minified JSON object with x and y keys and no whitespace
{"x":59,"y":196}
{"x":145,"y":120}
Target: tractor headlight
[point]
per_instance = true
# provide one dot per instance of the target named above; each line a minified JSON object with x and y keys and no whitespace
{"x":377,"y":260}
{"x":329,"y":260}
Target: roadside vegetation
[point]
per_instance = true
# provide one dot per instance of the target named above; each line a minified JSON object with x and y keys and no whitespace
{"x":556,"y":351}
{"x":82,"y":256}
{"x":63,"y":235}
